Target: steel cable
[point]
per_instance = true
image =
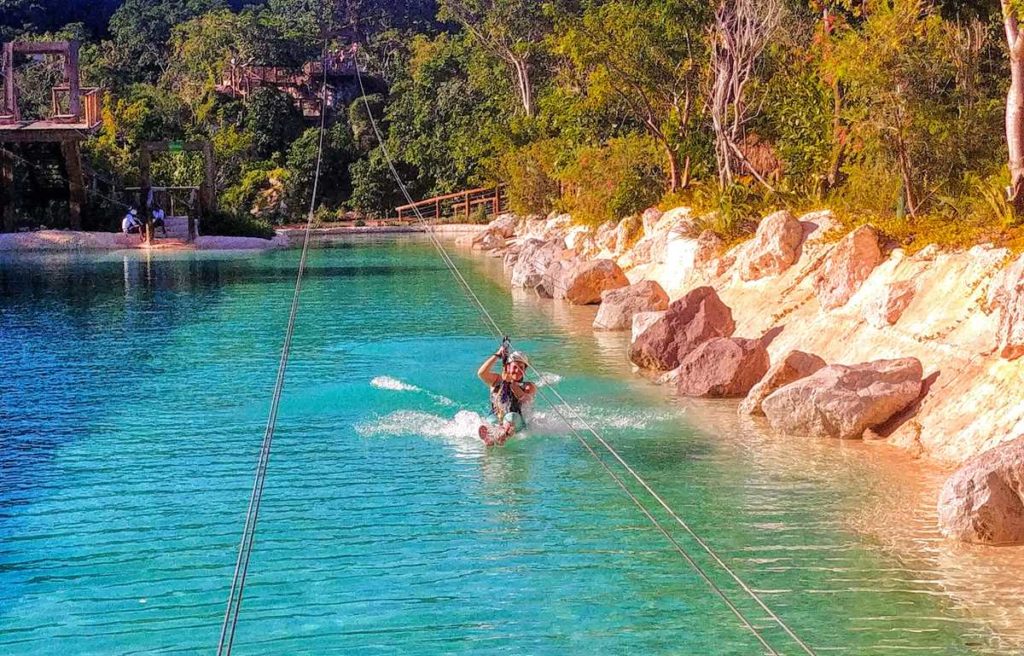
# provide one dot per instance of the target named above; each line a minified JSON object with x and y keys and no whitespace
{"x":234,"y":604}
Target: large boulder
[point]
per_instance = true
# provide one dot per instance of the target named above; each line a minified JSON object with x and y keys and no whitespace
{"x":619,"y":305}
{"x":793,"y":366}
{"x":847,"y":267}
{"x":1008,"y":297}
{"x":689,"y":321}
{"x":775,"y":247}
{"x":983,"y":501}
{"x":887,"y":308}
{"x":556,"y":277}
{"x":843,"y":401}
{"x":584,"y":282}
{"x":721,"y":367}
{"x":535,"y":256}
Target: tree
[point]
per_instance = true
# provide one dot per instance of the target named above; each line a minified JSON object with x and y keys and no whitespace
{"x":511,"y":30}
{"x":141,"y":30}
{"x":645,"y":56}
{"x":742,"y":30}
{"x":439,"y":119}
{"x":1012,"y":12}
{"x":273,"y":120}
{"x":200,"y":50}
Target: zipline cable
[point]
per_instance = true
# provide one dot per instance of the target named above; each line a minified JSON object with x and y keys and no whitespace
{"x":496,"y":329}
{"x":234,"y":605}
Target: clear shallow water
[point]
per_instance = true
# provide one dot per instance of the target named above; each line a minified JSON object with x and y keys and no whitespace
{"x":132,"y":401}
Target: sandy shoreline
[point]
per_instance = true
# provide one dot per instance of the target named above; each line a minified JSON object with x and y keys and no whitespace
{"x":70,"y":240}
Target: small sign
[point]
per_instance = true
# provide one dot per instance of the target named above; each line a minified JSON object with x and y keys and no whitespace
{"x":175,"y":146}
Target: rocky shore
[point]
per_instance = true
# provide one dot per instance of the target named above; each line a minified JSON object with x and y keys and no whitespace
{"x":818,"y":332}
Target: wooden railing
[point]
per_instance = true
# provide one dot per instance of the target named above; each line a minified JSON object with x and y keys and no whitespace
{"x":92,"y":106}
{"x":90,"y":109}
{"x":464,"y":203}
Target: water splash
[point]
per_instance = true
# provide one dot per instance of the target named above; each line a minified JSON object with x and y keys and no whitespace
{"x":396,"y":385}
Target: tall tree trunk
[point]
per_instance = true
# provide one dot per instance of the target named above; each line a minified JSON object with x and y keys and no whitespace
{"x":838,"y":139}
{"x":1015,"y":128}
{"x":674,"y":174}
{"x":522,"y":69}
{"x":1015,"y":107}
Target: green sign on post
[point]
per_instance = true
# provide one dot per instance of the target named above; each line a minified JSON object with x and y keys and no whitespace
{"x":175,"y":146}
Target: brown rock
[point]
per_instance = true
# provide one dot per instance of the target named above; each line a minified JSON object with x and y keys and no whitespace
{"x":791,"y":367}
{"x":1008,"y":298}
{"x":847,"y":267}
{"x":619,"y":305}
{"x":775,"y":247}
{"x":887,"y":308}
{"x":689,"y":321}
{"x":983,"y":501}
{"x":555,"y":279}
{"x":842,"y":401}
{"x":584,"y":282}
{"x":722,"y":367}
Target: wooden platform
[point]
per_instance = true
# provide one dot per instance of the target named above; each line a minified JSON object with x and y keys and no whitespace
{"x":47,"y":130}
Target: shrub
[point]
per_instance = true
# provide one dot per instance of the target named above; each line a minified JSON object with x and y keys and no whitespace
{"x":530,"y":177}
{"x":236,"y":225}
{"x":611,"y":181}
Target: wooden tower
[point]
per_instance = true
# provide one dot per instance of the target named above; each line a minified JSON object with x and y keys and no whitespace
{"x":74,"y":117}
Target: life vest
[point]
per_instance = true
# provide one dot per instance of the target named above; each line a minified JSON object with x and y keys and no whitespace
{"x":503,"y":399}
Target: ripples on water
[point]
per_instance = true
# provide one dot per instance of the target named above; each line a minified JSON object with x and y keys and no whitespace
{"x":132,"y":404}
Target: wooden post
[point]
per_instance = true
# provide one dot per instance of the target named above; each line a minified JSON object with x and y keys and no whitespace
{"x":497,"y":199}
{"x":437,"y":210}
{"x":467,"y":206}
{"x":72,"y":78}
{"x":207,"y":195}
{"x":10,"y":101}
{"x":7,"y":191}
{"x":195,"y":212}
{"x":145,"y":162}
{"x":76,"y":182}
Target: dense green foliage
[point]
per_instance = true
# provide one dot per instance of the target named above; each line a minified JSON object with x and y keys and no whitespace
{"x":891,"y":109}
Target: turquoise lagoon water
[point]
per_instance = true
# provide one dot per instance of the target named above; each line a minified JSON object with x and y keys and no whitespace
{"x":133,"y":396}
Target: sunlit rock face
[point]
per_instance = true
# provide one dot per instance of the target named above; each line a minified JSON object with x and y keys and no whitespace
{"x":619,"y":305}
{"x":688,"y":322}
{"x":721,"y":367}
{"x":790,"y":368}
{"x":843,"y":401}
{"x":774,"y":248}
{"x":847,"y":267}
